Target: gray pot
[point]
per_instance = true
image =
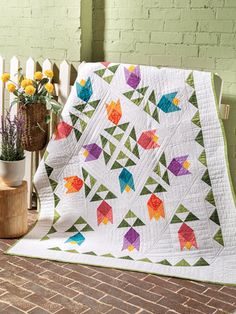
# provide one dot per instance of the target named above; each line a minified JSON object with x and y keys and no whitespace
{"x":12,"y":172}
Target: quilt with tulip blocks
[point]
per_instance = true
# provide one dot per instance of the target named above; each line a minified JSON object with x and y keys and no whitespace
{"x":136,"y":177}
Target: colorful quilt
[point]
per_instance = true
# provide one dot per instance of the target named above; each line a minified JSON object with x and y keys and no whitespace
{"x":136,"y":176}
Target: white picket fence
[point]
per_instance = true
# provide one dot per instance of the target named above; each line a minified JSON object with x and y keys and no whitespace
{"x":62,"y":90}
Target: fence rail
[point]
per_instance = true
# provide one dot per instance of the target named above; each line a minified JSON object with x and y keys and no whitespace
{"x":63,"y":80}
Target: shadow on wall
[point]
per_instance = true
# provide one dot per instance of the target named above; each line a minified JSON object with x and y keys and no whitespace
{"x":98,"y":25}
{"x":230,"y":132}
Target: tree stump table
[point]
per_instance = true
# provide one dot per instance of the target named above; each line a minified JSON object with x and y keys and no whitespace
{"x":13,"y":210}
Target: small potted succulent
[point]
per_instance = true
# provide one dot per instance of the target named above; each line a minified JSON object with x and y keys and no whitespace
{"x":35,"y":101}
{"x":12,"y":159}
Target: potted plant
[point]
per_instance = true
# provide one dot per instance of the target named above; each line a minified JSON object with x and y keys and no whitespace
{"x":35,"y":103}
{"x":12,"y":159}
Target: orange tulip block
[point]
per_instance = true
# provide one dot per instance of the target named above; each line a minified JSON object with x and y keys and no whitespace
{"x":73,"y":184}
{"x":114,"y":112}
{"x":155,"y":208}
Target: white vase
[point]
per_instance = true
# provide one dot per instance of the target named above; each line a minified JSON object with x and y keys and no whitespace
{"x":12,"y":172}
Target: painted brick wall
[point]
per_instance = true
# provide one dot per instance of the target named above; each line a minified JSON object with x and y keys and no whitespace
{"x":182,"y":33}
{"x":41,"y":29}
{"x":196,"y":34}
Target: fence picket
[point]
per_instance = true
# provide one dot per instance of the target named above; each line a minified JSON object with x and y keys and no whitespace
{"x":14,"y":66}
{"x":47,"y":65}
{"x":64,"y":82}
{"x":30,"y":68}
{"x":29,"y":72}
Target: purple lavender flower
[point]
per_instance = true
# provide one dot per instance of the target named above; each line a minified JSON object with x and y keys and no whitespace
{"x":11,"y":131}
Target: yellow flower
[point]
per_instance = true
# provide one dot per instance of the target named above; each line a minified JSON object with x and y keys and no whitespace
{"x":38,"y":75}
{"x":5,"y":77}
{"x":30,"y":90}
{"x":26,"y":82}
{"x":49,"y":73}
{"x":49,"y":87}
{"x":11,"y":87}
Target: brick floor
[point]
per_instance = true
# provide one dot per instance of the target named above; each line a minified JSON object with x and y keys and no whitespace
{"x":38,"y":287}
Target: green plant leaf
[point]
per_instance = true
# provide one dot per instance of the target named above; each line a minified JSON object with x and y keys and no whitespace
{"x":44,"y":81}
{"x":14,"y":102}
{"x":48,"y":104}
{"x":47,"y":119}
{"x":56,"y":107}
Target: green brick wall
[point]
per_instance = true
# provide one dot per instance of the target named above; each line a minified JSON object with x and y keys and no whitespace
{"x":41,"y":29}
{"x":196,"y":34}
{"x":179,"y":33}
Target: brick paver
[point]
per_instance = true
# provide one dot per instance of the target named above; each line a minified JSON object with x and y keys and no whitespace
{"x":36,"y":286}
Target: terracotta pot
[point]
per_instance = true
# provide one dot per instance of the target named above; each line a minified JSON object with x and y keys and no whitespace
{"x":35,"y":134}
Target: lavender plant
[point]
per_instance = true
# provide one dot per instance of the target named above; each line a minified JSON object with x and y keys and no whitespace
{"x":11,"y":131}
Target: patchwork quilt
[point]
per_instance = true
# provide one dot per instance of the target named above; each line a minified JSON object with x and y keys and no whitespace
{"x":136,"y":176}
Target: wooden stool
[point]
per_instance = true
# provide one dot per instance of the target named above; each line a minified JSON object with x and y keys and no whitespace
{"x":13,"y":210}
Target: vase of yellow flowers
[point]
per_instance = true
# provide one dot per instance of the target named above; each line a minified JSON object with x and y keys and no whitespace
{"x":35,"y":101}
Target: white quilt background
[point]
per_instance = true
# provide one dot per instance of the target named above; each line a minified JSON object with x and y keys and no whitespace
{"x":159,"y":239}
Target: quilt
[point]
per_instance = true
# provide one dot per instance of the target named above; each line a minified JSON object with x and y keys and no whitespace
{"x":136,"y":176}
